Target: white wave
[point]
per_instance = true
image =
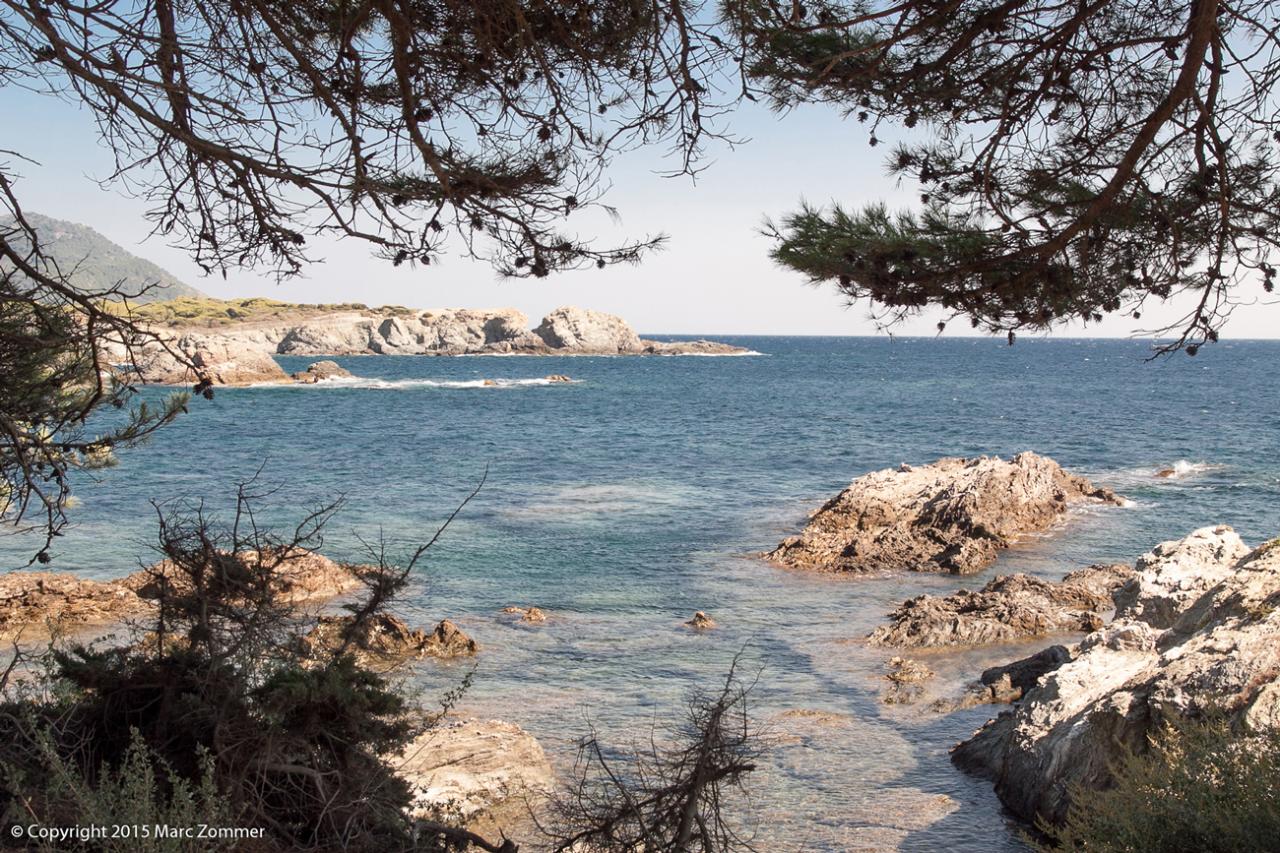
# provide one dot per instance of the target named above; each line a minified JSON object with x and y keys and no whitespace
{"x":403,"y":384}
{"x":710,"y":354}
{"x":1182,"y":469}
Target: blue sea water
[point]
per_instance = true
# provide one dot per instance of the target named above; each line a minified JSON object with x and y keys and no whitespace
{"x":623,"y":502}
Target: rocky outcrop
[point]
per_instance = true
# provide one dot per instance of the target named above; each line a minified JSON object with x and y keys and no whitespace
{"x":1173,"y":574}
{"x":33,"y":600}
{"x":1007,"y":609}
{"x":447,"y":640}
{"x":385,"y":640}
{"x":223,"y":360}
{"x":1182,"y":657}
{"x":296,"y":577}
{"x":36,"y":601}
{"x":239,"y":353}
{"x":953,"y":515}
{"x":473,"y":770}
{"x":579,"y":329}
{"x":321,"y":371}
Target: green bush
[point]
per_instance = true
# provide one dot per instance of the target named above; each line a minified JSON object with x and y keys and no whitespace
{"x":140,"y":805}
{"x":1203,"y":787}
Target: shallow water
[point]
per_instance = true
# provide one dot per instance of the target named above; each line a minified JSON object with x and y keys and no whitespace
{"x":623,"y":502}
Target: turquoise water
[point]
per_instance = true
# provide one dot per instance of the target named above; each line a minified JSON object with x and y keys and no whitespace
{"x":627,"y":500}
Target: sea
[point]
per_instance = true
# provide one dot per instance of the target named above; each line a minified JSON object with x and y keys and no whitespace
{"x":645,"y":490}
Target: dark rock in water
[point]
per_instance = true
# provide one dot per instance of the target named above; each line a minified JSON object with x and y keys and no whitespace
{"x":953,"y":515}
{"x":1007,"y":609}
{"x":1220,"y":653}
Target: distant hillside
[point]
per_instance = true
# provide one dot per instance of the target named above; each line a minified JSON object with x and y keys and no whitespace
{"x":96,"y":264}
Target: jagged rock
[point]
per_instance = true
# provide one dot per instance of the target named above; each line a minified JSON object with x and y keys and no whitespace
{"x":701,"y":622}
{"x":320,"y":371}
{"x":532,"y":615}
{"x":297,"y":577}
{"x":906,"y":681}
{"x":953,"y":515}
{"x":1008,"y":608}
{"x":1175,"y":573}
{"x":447,"y":640}
{"x":1219,"y":653}
{"x":592,"y":331}
{"x":383,"y":639}
{"x":475,"y":771}
{"x":32,"y":601}
{"x":558,"y":377}
{"x":224,"y":361}
{"x":239,"y":352}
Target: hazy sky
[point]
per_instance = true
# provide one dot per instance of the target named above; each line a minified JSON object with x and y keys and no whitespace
{"x":714,"y":276}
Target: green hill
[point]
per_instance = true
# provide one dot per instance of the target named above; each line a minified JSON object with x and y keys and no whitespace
{"x":96,"y":264}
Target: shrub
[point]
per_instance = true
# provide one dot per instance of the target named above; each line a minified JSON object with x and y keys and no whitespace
{"x":1202,"y":787}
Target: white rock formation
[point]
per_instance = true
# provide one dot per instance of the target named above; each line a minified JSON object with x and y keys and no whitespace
{"x":1174,"y":654}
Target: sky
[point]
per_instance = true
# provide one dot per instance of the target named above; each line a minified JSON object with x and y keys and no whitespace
{"x":713,"y":277}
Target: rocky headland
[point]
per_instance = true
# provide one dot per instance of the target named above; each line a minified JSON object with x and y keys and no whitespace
{"x":954,"y":515}
{"x":1196,"y":633}
{"x":239,"y":351}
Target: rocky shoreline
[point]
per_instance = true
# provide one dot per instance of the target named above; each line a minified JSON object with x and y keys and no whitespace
{"x":954,"y":515}
{"x":240,"y":353}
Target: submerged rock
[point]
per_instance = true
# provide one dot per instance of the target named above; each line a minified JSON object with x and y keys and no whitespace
{"x":321,"y":371}
{"x":475,"y":772}
{"x":906,"y":681}
{"x":532,"y":615}
{"x":953,"y":515}
{"x":1215,"y":652}
{"x":558,"y":377}
{"x":701,"y":622}
{"x":1008,"y":608}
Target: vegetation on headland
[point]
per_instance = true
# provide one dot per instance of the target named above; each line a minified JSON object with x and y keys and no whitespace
{"x":1200,"y":787}
{"x":207,"y":311}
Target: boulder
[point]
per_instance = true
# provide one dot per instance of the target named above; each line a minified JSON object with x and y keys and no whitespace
{"x":1007,"y":609}
{"x":1218,"y":652}
{"x":582,"y":330}
{"x":953,"y":515}
{"x":475,"y":771}
{"x":558,"y":377}
{"x":447,"y":640}
{"x":321,"y":371}
{"x":31,"y":602}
